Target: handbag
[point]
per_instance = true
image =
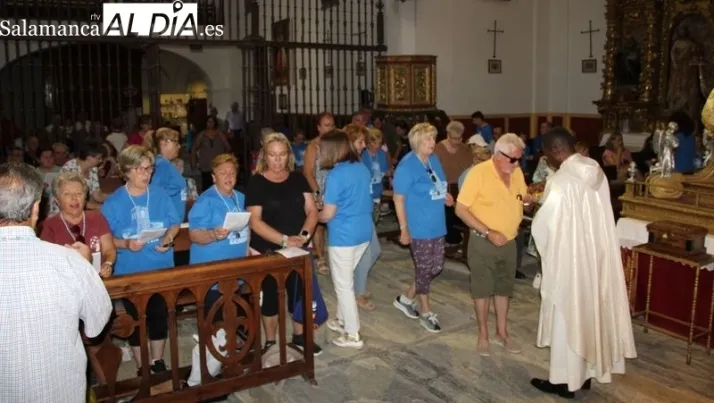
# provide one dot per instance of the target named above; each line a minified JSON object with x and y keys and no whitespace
{"x":319,"y":309}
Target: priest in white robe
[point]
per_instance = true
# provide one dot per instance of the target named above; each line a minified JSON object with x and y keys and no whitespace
{"x":584,"y":314}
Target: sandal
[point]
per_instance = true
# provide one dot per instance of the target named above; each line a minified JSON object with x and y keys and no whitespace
{"x":322,"y":267}
{"x":366,"y":305}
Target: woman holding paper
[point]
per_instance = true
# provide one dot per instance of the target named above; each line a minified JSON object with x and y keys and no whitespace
{"x":211,"y":241}
{"x":144,"y":223}
{"x":283,"y":214}
{"x":348,"y":213}
{"x":73,"y":224}
{"x":164,"y":143}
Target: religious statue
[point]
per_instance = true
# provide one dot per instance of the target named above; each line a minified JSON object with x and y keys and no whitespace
{"x":628,"y":65}
{"x":685,"y":86}
{"x":665,"y":143}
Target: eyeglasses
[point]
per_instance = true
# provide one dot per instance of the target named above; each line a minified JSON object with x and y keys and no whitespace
{"x":431,"y":174}
{"x":512,"y":160}
{"x":145,"y":170}
{"x":77,"y":234}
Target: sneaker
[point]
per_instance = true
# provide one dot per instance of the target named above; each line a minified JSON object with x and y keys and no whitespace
{"x":299,"y":343}
{"x":536,"y":280}
{"x":429,"y":322}
{"x":408,"y":309}
{"x":158,"y":366}
{"x":510,"y":345}
{"x":336,"y":325}
{"x":349,"y":340}
{"x":268,"y":344}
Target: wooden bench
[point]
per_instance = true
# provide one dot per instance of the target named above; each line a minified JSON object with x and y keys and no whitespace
{"x":242,"y":366}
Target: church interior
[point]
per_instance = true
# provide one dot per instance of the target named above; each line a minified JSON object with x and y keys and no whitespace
{"x":631,"y":80}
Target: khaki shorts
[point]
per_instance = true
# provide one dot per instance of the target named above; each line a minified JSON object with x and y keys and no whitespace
{"x":492,"y":268}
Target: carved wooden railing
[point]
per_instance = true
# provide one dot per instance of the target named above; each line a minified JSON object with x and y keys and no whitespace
{"x":242,"y":365}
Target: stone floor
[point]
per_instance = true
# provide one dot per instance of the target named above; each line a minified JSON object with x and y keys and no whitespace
{"x":401,"y":362}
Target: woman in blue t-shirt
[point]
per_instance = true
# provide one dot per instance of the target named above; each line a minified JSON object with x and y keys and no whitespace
{"x":165,"y":144}
{"x":420,"y":193}
{"x":347,"y":211}
{"x":131,"y":210}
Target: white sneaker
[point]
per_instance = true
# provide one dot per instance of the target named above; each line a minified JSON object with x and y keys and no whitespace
{"x":349,"y":340}
{"x":336,"y":325}
{"x":536,"y":281}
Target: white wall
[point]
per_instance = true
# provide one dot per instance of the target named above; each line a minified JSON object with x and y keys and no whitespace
{"x":541,"y":52}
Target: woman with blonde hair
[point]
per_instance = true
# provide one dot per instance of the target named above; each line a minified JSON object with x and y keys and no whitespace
{"x":130,"y":210}
{"x":420,"y":193}
{"x":283,"y":214}
{"x":165,"y":144}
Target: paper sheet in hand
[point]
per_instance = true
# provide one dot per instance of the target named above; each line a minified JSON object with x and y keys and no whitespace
{"x":292,"y":252}
{"x":149,"y":235}
{"x":97,"y":261}
{"x":236,"y":221}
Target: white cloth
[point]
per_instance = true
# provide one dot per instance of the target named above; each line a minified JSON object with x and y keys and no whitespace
{"x":583,"y":278}
{"x":343,"y":260}
{"x":46,"y":290}
{"x":632,"y":232}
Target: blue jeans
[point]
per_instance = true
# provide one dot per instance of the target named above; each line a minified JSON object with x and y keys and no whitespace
{"x":366,"y":263}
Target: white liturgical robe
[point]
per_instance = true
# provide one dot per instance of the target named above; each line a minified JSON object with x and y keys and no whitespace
{"x":584,"y":314}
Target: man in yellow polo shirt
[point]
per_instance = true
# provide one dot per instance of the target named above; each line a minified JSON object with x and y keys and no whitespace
{"x":491,"y":203}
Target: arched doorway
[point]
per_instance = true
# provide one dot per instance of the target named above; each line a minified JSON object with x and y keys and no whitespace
{"x":96,"y":80}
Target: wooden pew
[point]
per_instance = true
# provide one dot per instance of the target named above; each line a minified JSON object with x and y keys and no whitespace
{"x":242,"y":366}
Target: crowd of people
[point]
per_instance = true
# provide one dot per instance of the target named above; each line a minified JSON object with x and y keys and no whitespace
{"x":326,"y":195}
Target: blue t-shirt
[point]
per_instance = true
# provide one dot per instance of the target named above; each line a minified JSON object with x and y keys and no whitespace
{"x":686,"y":152}
{"x":424,"y":188}
{"x":379,"y":166}
{"x":486,"y":132}
{"x":348,"y":187}
{"x":208,"y":213}
{"x":170,"y":179}
{"x":299,"y":152}
{"x":129,"y":215}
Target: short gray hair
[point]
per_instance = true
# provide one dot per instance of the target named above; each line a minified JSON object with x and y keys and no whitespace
{"x":20,"y":188}
{"x":509,"y":142}
{"x":67,"y":176}
{"x":419,"y":132}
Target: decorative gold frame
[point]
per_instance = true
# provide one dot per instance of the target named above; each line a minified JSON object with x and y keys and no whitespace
{"x":656,"y":19}
{"x":405,"y":83}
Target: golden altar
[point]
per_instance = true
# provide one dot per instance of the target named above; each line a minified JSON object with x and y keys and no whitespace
{"x":405,"y":85}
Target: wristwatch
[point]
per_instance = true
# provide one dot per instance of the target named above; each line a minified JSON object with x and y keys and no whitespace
{"x":284,"y":241}
{"x":305,"y":234}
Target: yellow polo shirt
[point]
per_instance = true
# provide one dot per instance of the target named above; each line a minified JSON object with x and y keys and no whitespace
{"x":491,"y":202}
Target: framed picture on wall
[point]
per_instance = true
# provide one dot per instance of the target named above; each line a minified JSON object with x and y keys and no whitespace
{"x":589,"y":66}
{"x":494,"y":66}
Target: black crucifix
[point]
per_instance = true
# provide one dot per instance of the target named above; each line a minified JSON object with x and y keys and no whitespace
{"x":590,"y":32}
{"x":495,"y":31}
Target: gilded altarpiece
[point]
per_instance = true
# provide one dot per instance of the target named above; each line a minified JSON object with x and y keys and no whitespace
{"x":659,"y":59}
{"x":405,"y":84}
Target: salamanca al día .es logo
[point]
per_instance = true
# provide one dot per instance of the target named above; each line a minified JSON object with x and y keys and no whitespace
{"x":155,"y":19}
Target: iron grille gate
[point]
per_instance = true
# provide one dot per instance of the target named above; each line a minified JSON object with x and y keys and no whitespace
{"x":299,"y":58}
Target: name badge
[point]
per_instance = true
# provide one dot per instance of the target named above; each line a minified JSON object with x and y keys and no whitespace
{"x":184,"y":194}
{"x":439,"y":191}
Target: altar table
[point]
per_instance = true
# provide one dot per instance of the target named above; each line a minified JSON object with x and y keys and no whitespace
{"x":670,"y":288}
{"x":694,"y":265}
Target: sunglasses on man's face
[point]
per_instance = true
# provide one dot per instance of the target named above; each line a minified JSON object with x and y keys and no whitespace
{"x":512,"y":160}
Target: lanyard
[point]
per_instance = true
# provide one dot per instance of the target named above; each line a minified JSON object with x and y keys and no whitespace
{"x":430,"y":171}
{"x":148,"y":195}
{"x":84,"y":226}
{"x":223,"y":199}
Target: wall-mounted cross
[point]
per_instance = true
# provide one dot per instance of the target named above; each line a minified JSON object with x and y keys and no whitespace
{"x":495,"y":31}
{"x":590,"y":32}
